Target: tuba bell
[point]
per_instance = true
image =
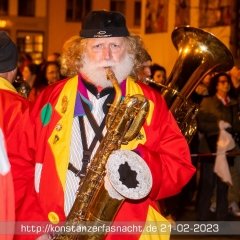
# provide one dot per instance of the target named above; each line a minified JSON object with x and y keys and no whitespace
{"x":200,"y":53}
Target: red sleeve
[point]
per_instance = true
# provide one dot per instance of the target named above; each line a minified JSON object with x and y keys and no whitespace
{"x":20,"y":145}
{"x":7,"y":213}
{"x":166,"y":151}
{"x":21,"y":150}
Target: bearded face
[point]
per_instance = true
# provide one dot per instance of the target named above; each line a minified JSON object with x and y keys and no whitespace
{"x":102,"y":53}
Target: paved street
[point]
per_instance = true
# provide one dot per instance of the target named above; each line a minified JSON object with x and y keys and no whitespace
{"x":189,"y":218}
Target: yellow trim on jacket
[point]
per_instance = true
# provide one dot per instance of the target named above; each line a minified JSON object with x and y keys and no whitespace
{"x":156,"y":227}
{"x":6,"y":85}
{"x":65,"y":107}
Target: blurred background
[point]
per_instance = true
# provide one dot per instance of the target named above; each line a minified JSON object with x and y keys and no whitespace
{"x":40,"y":27}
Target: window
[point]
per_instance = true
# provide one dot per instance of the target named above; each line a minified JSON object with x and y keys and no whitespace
{"x":3,"y":7}
{"x":77,"y":10}
{"x":137,"y":13}
{"x":118,"y":5}
{"x":31,"y":43}
{"x":26,"y":8}
{"x":214,"y":13}
{"x":182,"y":15}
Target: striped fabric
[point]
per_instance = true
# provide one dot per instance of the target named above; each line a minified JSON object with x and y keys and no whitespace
{"x":76,"y":152}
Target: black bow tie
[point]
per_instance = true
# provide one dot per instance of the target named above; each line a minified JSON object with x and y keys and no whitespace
{"x":109,"y":90}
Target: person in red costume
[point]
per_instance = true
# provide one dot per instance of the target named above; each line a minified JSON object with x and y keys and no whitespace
{"x":12,"y":106}
{"x":7,"y":213}
{"x":53,"y":135}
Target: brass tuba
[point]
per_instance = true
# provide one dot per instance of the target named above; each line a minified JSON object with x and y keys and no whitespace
{"x":200,"y":53}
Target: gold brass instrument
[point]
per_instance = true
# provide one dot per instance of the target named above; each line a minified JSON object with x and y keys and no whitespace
{"x":93,"y":204}
{"x":200,"y":53}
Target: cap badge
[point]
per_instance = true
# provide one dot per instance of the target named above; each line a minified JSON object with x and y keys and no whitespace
{"x":101,"y":32}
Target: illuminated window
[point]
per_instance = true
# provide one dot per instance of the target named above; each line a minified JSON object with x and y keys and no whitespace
{"x":3,"y":7}
{"x":31,"y":43}
{"x":26,"y":8}
{"x":77,"y":10}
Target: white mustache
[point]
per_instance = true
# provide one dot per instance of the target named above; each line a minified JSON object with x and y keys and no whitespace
{"x":105,"y":64}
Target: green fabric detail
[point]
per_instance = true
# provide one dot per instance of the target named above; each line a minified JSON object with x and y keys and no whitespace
{"x":46,"y":114}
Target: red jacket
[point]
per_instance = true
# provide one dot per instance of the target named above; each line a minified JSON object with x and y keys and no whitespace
{"x":164,"y":149}
{"x":12,"y":106}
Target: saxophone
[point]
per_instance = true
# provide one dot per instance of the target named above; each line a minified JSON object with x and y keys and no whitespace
{"x":93,"y":204}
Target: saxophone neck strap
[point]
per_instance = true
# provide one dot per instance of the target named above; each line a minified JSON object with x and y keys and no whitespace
{"x":96,"y":128}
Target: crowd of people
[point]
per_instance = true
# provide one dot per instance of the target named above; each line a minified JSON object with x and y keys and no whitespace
{"x":218,"y":128}
{"x":53,"y":131}
{"x":33,"y":78}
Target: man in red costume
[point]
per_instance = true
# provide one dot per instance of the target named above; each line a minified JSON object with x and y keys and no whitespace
{"x":64,"y":127}
{"x":12,"y":106}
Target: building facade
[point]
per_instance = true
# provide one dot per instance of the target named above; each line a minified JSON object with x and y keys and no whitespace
{"x":40,"y":27}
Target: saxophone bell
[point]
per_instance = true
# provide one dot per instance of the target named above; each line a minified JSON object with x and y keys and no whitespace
{"x":133,"y":181}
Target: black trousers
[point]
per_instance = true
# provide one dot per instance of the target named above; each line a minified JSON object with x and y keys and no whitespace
{"x":208,"y":181}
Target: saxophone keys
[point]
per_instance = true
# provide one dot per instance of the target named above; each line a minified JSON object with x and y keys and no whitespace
{"x":140,"y":136}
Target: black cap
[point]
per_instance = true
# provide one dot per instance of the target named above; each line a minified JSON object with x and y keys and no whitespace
{"x":102,"y":24}
{"x":8,"y":53}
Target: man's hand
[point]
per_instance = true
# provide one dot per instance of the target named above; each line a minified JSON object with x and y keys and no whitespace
{"x":224,"y":125}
